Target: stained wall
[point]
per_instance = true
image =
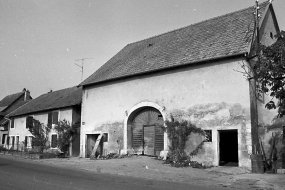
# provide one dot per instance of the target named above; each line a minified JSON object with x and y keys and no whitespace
{"x":213,"y":96}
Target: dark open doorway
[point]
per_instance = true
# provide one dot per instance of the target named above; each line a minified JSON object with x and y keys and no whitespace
{"x":228,"y":148}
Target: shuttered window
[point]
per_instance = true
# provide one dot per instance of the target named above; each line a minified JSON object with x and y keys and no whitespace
{"x":13,"y":141}
{"x":49,"y":118}
{"x":12,"y":123}
{"x":53,"y":118}
{"x":53,"y":141}
{"x":26,"y":141}
{"x":29,"y":121}
{"x":3,"y":138}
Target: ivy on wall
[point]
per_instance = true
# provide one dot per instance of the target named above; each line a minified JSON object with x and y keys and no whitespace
{"x":178,"y":133}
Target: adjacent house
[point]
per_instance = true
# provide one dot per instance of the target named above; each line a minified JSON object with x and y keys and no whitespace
{"x":7,"y":105}
{"x":191,"y":73}
{"x":48,"y":109}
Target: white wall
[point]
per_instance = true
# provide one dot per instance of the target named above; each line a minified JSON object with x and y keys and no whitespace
{"x":178,"y":92}
{"x":20,"y":123}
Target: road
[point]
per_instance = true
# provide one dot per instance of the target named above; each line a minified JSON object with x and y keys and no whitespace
{"x":16,"y":173}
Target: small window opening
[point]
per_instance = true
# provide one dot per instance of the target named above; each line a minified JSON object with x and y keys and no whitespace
{"x":53,"y":141}
{"x":271,"y":35}
{"x":105,"y":137}
{"x":149,"y":45}
{"x":208,"y":135}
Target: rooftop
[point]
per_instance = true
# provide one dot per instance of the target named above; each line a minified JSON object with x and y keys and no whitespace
{"x":51,"y":100}
{"x":226,"y":35}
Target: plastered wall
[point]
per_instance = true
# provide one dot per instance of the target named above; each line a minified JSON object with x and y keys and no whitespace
{"x":215,"y":90}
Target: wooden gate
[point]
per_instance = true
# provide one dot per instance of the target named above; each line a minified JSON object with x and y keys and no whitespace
{"x":147,"y":133}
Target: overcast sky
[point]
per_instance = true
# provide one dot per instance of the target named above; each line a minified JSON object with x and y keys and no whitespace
{"x":41,"y":39}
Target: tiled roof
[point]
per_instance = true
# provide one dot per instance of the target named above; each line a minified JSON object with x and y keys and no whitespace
{"x":226,"y":35}
{"x":52,"y":100}
{"x":19,"y":104}
{"x":3,"y":122}
{"x":5,"y":102}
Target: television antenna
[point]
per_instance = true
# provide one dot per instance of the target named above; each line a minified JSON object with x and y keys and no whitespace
{"x":82,"y":65}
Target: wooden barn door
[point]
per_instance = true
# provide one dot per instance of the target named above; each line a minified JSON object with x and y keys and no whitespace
{"x":147,"y":137}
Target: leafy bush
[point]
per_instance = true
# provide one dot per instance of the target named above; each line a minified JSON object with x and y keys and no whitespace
{"x":40,"y":133}
{"x":66,"y":134}
{"x":178,"y":133}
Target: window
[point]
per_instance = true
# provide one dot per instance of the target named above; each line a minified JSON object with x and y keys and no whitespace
{"x":3,"y":138}
{"x":53,"y":141}
{"x":17,"y":142}
{"x":208,"y":135}
{"x":12,"y":123}
{"x":53,"y":118}
{"x":13,"y":141}
{"x":8,"y":140}
{"x":105,"y":137}
{"x":28,"y":141}
{"x":29,"y":121}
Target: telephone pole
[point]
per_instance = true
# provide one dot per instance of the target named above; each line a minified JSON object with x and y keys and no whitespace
{"x":82,"y":65}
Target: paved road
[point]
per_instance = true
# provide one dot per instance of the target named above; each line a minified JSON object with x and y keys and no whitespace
{"x":19,"y":174}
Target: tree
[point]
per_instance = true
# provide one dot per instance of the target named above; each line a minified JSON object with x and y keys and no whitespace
{"x":40,"y":133}
{"x":269,"y":73}
{"x":66,"y":134}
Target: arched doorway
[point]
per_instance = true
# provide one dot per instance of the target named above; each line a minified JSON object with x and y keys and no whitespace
{"x":145,"y":128}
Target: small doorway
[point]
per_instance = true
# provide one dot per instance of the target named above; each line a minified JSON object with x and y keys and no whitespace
{"x":91,"y":140}
{"x":228,"y":147}
{"x":75,"y":144}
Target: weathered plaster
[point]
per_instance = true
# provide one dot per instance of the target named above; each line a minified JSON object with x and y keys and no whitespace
{"x":178,"y":90}
{"x":215,"y":117}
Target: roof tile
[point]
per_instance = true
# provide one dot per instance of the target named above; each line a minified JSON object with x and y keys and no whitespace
{"x":52,"y":100}
{"x":221,"y":36}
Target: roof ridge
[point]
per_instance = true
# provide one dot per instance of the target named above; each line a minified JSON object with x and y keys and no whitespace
{"x":181,"y":28}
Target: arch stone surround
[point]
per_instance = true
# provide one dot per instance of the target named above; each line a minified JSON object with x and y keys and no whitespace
{"x":140,"y":105}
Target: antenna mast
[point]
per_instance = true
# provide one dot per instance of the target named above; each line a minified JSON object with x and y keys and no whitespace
{"x":82,"y":65}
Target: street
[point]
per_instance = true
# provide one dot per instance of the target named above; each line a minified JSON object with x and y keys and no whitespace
{"x":17,"y":174}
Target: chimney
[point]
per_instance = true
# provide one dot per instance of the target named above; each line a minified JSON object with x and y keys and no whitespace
{"x":27,"y":95}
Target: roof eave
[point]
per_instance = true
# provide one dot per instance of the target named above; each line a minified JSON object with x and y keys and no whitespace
{"x":44,"y":110}
{"x":241,"y":54}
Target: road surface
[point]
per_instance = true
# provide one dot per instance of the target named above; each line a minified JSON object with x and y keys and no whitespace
{"x":16,"y":173}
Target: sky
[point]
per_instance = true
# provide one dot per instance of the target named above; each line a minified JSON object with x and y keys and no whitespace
{"x":41,"y":41}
